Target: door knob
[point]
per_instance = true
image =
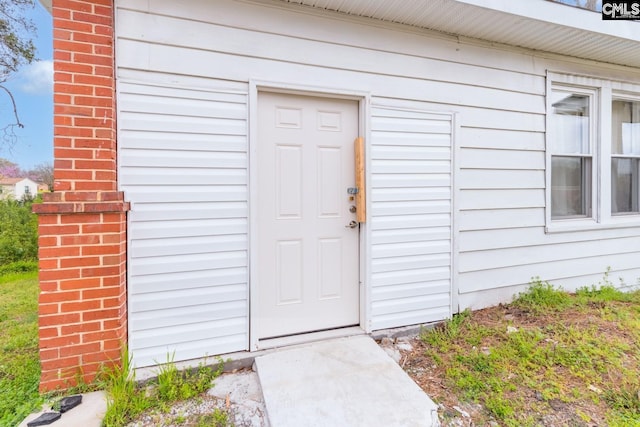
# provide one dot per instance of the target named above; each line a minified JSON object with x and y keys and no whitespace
{"x":352,"y":224}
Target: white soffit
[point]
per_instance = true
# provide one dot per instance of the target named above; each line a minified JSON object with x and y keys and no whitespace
{"x":46,"y":4}
{"x":533,"y":24}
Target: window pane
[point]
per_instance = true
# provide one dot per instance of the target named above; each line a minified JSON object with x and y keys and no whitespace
{"x":570,"y":123}
{"x":625,"y":127}
{"x":570,"y":186}
{"x":624,"y":185}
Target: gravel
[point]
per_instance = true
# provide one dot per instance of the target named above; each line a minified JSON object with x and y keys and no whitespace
{"x":237,"y":393}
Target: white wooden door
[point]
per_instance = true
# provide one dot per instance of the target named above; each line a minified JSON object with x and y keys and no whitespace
{"x":307,"y":255}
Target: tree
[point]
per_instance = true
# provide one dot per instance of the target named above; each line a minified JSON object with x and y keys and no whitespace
{"x":42,"y":173}
{"x":16,"y":49}
{"x":8,"y":169}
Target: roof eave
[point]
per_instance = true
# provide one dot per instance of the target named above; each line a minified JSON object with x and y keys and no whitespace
{"x":46,"y":4}
{"x":539,"y":25}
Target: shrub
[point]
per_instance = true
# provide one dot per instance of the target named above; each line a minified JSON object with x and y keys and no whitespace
{"x":18,"y":232}
{"x":19,"y":267}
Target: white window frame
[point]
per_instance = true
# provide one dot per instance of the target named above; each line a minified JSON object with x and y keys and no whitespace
{"x":602,"y":92}
{"x":625,"y":98}
{"x":591,"y":153}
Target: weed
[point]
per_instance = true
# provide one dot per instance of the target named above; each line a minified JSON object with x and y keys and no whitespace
{"x":477,"y":333}
{"x":169,"y":383}
{"x":446,"y":332}
{"x":471,"y":385}
{"x":127,"y":399}
{"x":499,"y":407}
{"x":573,"y":352}
{"x":477,"y":362}
{"x":218,"y":418}
{"x":541,"y":297}
{"x":625,"y":405}
{"x":525,"y":344}
{"x":605,"y":292}
{"x":173,"y":384}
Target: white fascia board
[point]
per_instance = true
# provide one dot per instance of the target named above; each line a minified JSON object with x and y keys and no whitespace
{"x":562,"y":15}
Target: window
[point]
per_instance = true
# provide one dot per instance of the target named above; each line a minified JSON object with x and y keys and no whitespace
{"x":27,"y":190}
{"x":625,"y":156}
{"x":594,"y":5}
{"x":593,"y":153}
{"x":571,"y":159}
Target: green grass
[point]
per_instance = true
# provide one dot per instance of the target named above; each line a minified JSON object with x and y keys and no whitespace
{"x":19,"y":361}
{"x":20,"y":365}
{"x":548,"y":348}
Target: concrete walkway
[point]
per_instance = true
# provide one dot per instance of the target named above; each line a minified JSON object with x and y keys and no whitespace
{"x":346,"y":382}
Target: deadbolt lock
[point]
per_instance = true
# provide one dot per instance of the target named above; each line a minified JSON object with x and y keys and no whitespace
{"x":352,"y":209}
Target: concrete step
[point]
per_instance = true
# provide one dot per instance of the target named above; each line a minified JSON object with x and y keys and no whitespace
{"x":345,"y":382}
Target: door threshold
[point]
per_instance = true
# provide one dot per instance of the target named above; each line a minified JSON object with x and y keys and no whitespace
{"x":309,"y":337}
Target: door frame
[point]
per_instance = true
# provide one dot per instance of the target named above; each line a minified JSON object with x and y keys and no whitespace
{"x":363,"y":99}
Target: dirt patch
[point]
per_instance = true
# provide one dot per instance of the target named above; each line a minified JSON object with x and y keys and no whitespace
{"x":514,"y":367}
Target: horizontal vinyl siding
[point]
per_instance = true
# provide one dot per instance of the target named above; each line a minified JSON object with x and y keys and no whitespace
{"x":183,"y":165}
{"x":253,"y":42}
{"x":410,"y":217}
{"x":197,"y":58}
{"x":502,"y":241}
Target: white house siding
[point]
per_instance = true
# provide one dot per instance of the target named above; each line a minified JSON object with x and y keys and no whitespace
{"x":501,"y":240}
{"x":184,"y":50}
{"x":183,"y":164}
{"x":16,"y":188}
{"x":411,"y":216}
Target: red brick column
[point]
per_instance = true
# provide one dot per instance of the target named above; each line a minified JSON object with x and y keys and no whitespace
{"x":82,"y":225}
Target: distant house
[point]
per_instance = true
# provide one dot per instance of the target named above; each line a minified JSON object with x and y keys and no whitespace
{"x":17,"y":188}
{"x":205,"y":196}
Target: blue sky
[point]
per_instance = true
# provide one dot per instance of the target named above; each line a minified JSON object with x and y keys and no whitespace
{"x":32,"y":88}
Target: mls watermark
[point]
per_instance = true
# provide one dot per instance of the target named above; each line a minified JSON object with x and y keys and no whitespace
{"x":625,"y":9}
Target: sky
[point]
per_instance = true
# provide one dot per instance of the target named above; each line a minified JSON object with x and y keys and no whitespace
{"x":32,"y":87}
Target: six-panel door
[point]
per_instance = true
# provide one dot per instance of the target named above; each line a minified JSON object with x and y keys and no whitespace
{"x":307,"y":256}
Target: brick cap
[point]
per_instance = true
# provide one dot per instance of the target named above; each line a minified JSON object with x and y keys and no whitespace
{"x":78,"y":202}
